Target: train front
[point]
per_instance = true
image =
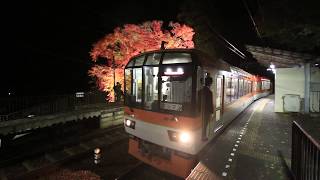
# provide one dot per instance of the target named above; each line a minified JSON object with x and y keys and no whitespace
{"x":160,"y":110}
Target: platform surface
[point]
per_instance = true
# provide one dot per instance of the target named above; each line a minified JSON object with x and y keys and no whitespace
{"x":256,"y":145}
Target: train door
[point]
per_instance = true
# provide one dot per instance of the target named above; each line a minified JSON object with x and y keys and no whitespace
{"x":211,"y":124}
{"x":219,"y":97}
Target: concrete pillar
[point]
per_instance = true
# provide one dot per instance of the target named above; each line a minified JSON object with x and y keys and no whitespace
{"x":307,"y":88}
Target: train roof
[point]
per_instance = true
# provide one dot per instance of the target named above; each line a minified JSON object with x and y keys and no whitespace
{"x":201,"y":57}
{"x":205,"y":59}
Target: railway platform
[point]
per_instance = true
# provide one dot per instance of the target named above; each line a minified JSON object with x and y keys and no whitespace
{"x":256,"y":145}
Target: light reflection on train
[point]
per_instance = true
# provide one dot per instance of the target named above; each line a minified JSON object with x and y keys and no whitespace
{"x":166,"y":105}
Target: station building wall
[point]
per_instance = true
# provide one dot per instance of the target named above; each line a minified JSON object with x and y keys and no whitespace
{"x":289,"y":82}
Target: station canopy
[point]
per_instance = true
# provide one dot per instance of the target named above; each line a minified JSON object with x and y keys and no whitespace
{"x":281,"y":58}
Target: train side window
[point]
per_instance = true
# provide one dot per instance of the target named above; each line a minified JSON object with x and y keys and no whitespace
{"x":219,"y":90}
{"x":173,"y":58}
{"x":245,"y":87}
{"x":254,"y":87}
{"x":268,"y":85}
{"x":265,"y":85}
{"x":228,"y":93}
{"x":259,"y":86}
{"x":240,"y":87}
{"x":234,"y":89}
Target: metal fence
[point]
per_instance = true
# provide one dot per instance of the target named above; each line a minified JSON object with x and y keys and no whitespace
{"x":305,"y":160}
{"x":58,"y":105}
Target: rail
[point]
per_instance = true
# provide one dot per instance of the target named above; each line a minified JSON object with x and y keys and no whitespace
{"x":60,"y":104}
{"x":305,"y":160}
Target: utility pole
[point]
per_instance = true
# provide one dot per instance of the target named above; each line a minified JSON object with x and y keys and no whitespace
{"x":114,"y":77}
{"x":114,"y":73}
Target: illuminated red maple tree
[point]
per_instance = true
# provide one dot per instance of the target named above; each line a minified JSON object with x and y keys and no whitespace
{"x":127,"y":41}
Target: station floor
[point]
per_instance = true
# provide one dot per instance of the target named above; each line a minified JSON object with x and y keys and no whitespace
{"x":256,"y":145}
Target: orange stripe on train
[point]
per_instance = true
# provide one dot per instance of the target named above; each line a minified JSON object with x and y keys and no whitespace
{"x":186,"y":123}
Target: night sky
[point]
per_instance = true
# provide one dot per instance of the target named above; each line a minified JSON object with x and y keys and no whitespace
{"x":46,"y":45}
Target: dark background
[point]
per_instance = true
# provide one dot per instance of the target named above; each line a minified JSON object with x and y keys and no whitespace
{"x":46,"y":45}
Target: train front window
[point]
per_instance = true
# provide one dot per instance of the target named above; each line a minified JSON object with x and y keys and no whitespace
{"x":176,"y":90}
{"x":151,"y":87}
{"x":153,"y":59}
{"x":133,"y":80}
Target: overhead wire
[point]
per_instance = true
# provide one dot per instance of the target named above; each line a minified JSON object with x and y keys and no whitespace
{"x":227,"y":44}
{"x":251,"y":18}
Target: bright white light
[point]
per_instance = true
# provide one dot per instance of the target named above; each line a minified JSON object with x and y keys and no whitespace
{"x":30,"y":115}
{"x":272,"y":66}
{"x":170,"y":72}
{"x":184,"y":137}
{"x":128,"y":122}
{"x":165,"y":78}
{"x":316,"y":64}
{"x":97,"y":150}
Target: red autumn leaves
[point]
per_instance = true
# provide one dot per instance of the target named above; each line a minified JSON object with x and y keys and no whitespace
{"x":118,"y":47}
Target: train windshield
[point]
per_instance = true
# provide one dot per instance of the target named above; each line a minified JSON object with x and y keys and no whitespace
{"x":176,"y":89}
{"x":162,"y":85}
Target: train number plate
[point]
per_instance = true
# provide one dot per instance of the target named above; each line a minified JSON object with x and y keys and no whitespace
{"x":171,"y":106}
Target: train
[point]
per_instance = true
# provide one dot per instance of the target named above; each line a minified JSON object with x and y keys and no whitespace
{"x":178,"y":100}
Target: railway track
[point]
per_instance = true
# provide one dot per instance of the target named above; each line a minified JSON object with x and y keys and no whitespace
{"x":130,"y":171}
{"x":34,"y":164}
{"x":144,"y":171}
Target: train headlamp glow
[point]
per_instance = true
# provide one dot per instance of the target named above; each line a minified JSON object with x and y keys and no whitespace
{"x":129,"y":123}
{"x":184,"y":137}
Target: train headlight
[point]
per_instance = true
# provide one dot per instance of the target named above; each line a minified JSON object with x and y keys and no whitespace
{"x":129,"y":123}
{"x":184,"y":137}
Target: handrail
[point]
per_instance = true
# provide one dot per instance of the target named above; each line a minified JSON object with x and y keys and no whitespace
{"x":315,"y":142}
{"x":62,"y":104}
{"x":305,"y":156}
